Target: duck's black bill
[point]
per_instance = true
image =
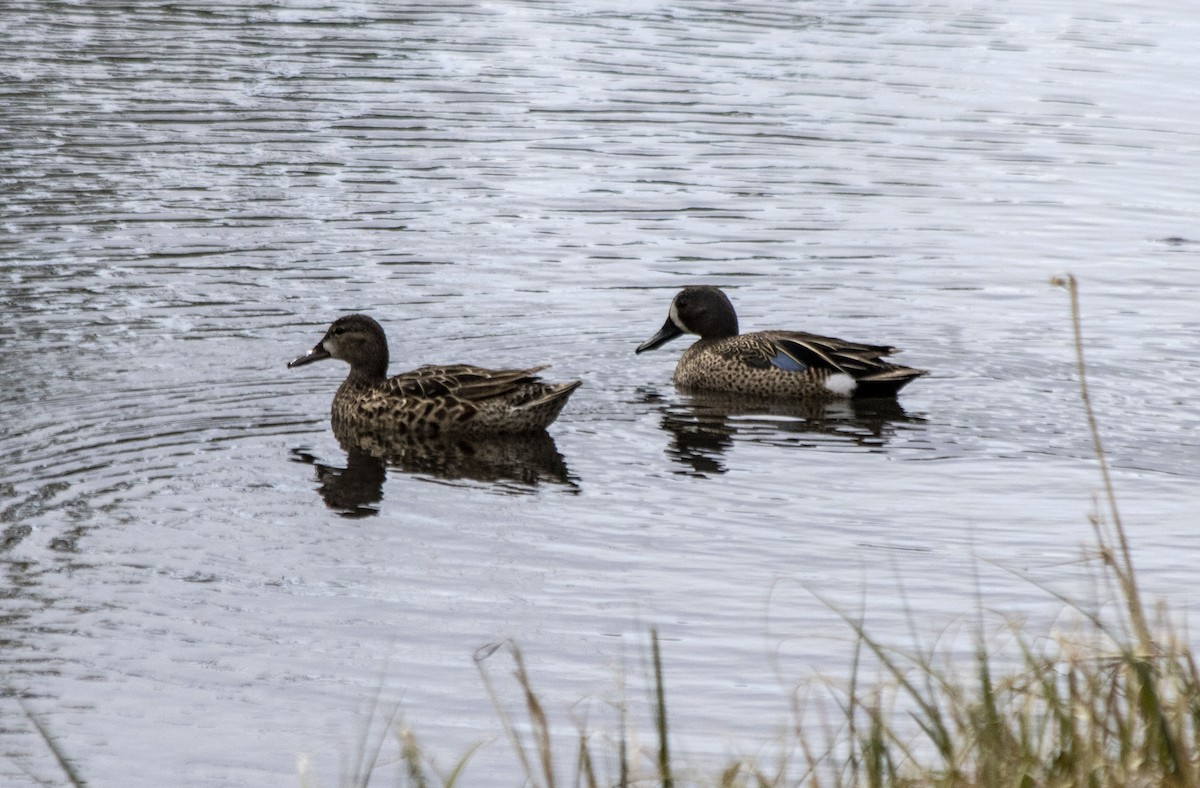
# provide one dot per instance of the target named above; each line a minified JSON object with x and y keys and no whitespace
{"x":665,"y":334}
{"x":316,"y":354}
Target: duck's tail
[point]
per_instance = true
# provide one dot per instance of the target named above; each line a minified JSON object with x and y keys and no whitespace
{"x":886,"y":383}
{"x":553,"y":393}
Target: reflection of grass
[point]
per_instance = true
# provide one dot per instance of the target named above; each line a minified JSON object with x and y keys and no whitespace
{"x":68,"y":769}
{"x":1115,"y":702}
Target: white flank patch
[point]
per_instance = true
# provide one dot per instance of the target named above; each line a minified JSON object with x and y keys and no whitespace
{"x":841,"y":384}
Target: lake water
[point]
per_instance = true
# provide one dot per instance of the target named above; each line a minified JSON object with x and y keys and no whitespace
{"x":200,"y":592}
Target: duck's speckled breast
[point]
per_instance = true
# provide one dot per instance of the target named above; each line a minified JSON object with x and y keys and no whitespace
{"x":726,"y":365}
{"x":358,"y":408}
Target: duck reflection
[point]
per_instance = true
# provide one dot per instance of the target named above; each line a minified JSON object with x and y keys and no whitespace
{"x":515,"y":463}
{"x":353,"y":491}
{"x":704,"y":425}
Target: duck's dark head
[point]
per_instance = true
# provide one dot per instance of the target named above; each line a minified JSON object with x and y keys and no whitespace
{"x":701,"y":310}
{"x":356,"y":339}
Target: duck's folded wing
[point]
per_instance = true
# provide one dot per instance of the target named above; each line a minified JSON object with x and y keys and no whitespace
{"x":795,"y":351}
{"x":421,"y":383}
{"x":461,"y":381}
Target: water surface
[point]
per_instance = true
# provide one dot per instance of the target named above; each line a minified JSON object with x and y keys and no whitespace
{"x":203,"y":585}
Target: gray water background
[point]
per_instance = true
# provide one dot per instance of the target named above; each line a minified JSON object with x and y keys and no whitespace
{"x":191,"y":191}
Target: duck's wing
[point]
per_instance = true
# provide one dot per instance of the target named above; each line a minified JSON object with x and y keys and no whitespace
{"x":459,"y":381}
{"x":796,"y":351}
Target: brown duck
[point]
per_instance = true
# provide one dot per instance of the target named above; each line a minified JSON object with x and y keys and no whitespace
{"x":431,"y":400}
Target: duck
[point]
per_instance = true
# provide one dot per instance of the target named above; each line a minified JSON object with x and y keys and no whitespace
{"x":771,"y":364}
{"x":432,"y":400}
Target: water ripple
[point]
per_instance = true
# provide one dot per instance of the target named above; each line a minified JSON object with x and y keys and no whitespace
{"x":193,"y":190}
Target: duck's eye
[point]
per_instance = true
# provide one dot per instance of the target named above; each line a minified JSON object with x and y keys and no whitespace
{"x":339,"y":330}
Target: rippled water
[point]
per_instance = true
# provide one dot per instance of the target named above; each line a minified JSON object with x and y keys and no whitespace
{"x":202,"y":586}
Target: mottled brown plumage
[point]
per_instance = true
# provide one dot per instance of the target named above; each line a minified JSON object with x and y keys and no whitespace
{"x":430,"y":400}
{"x":775,"y":364}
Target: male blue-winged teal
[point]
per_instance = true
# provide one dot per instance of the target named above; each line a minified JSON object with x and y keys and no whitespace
{"x":777,"y":364}
{"x":430,"y":400}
